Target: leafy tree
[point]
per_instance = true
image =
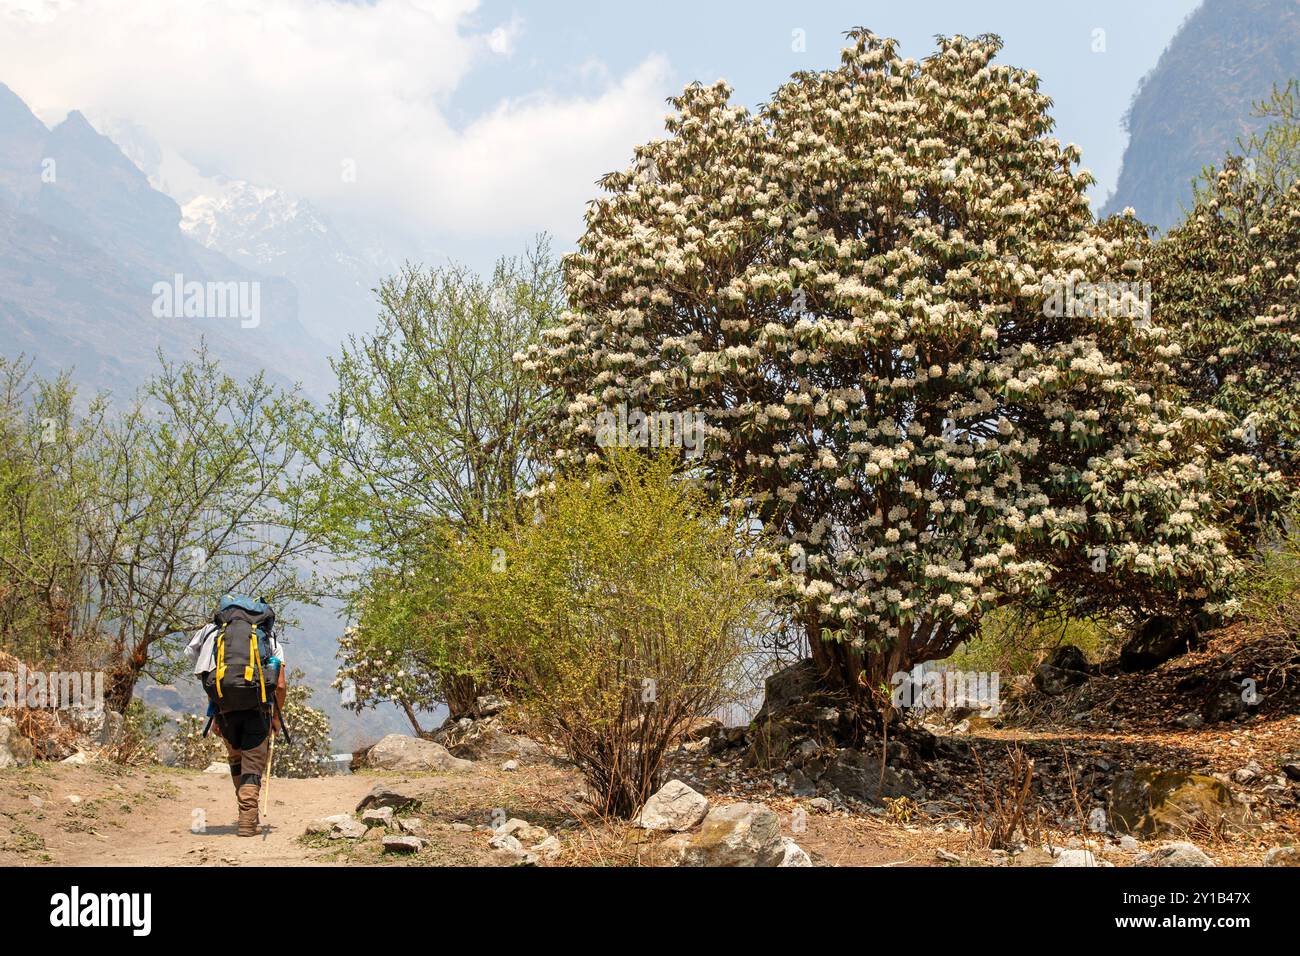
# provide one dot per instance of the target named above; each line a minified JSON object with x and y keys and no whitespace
{"x":1226,"y":281}
{"x":434,"y":430}
{"x":614,"y":615}
{"x":123,"y":525}
{"x":935,"y":373}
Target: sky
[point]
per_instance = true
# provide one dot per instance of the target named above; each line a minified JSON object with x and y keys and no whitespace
{"x":474,"y":125}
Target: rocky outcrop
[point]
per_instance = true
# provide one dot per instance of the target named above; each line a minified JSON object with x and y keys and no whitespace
{"x":1150,"y":803}
{"x":413,"y":755}
{"x":384,"y":796}
{"x":674,"y":807}
{"x":1066,"y":667}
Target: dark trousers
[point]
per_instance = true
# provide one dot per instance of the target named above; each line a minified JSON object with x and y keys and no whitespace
{"x":247,"y":734}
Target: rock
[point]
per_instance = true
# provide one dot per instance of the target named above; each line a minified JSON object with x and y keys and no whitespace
{"x":348,"y":829}
{"x":821,"y":805}
{"x":1174,"y":854}
{"x":548,"y":849}
{"x":403,"y":844}
{"x":1155,"y":641}
{"x":1190,"y":721}
{"x":81,"y":758}
{"x":462,"y":828}
{"x":506,"y":841}
{"x":1127,"y":842}
{"x":739,"y":834}
{"x":946,"y":856}
{"x":218,"y":766}
{"x":800,"y":785}
{"x":374,"y":834}
{"x":325,"y":825}
{"x":510,"y":766}
{"x":1066,"y":667}
{"x":508,"y":857}
{"x":413,"y":755}
{"x":522,"y":830}
{"x":489,"y":705}
{"x":674,"y":807}
{"x":1148,"y":802}
{"x":1292,"y":770}
{"x":496,"y":746}
{"x":1252,"y":771}
{"x":1282,"y":856}
{"x":74,"y":799}
{"x":793,"y":854}
{"x":36,"y":801}
{"x":1075,"y":858}
{"x":15,"y":749}
{"x":701,"y":728}
{"x":1229,"y":696}
{"x":412,"y":825}
{"x":385,"y":796}
{"x":857,"y":774}
{"x":378,"y":817}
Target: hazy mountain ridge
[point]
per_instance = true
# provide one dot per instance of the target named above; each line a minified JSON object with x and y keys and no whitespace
{"x":1194,"y":105}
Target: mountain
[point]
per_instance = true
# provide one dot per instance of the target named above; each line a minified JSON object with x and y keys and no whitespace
{"x":86,"y":244}
{"x":1194,"y":105}
{"x":277,"y":234}
{"x":88,"y":248}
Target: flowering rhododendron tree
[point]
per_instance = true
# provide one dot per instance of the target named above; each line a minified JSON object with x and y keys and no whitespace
{"x":1227,"y":281}
{"x":939,"y":379}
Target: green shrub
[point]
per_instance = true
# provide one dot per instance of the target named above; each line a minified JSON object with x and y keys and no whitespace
{"x":616,"y":615}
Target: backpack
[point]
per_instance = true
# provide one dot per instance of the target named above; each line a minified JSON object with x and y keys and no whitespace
{"x":241,"y":678}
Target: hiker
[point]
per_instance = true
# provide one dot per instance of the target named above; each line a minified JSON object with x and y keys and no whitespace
{"x":241,"y":666}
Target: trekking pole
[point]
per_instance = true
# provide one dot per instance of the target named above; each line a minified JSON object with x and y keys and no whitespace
{"x":266,"y":790}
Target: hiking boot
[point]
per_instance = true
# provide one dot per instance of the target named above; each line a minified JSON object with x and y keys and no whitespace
{"x":248,"y":821}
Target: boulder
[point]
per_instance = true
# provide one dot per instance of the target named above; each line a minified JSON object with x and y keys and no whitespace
{"x":1282,"y":856}
{"x":491,"y":744}
{"x":739,"y":834}
{"x":413,"y":755}
{"x":1229,"y":696}
{"x":1174,"y":854}
{"x":489,"y":705}
{"x":674,"y":807}
{"x":1066,"y":667}
{"x":1162,"y":638}
{"x":1149,"y":803}
{"x":385,"y":796}
{"x":701,"y":728}
{"x":15,"y":749}
{"x":856,"y":774}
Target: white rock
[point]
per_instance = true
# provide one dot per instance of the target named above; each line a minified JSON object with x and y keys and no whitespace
{"x":218,"y":767}
{"x":674,"y":807}
{"x":739,"y":834}
{"x":79,"y":759}
{"x":504,"y":841}
{"x":1075,"y":858}
{"x":522,"y":830}
{"x":548,"y":849}
{"x":794,"y":855}
{"x":1174,"y":854}
{"x":413,"y":755}
{"x":510,"y":766}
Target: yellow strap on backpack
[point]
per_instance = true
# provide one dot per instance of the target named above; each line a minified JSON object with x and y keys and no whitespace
{"x":255,"y":654}
{"x":221,"y":657}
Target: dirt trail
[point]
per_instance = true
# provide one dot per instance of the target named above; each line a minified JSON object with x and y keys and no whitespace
{"x":121,"y":817}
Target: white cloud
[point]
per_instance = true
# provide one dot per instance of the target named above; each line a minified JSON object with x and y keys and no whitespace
{"x":286,"y":92}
